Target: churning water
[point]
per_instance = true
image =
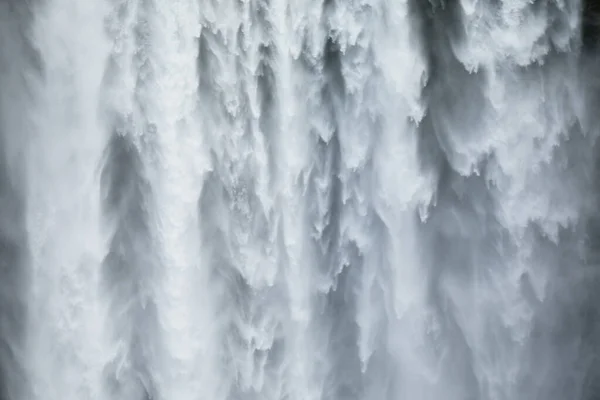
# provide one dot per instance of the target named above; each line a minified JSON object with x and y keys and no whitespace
{"x":298,"y":200}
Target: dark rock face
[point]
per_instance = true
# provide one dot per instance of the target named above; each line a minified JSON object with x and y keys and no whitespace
{"x":591,"y":23}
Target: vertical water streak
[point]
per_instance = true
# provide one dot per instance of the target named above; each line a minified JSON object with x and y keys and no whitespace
{"x":175,"y":161}
{"x":66,"y":326}
{"x":131,"y":269}
{"x":239,"y":230}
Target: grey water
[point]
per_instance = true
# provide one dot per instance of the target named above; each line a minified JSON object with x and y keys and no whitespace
{"x":299,"y":200}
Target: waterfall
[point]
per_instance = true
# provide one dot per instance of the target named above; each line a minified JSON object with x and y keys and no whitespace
{"x":299,"y":200}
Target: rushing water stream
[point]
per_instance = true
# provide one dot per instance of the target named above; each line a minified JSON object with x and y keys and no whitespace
{"x":299,"y":200}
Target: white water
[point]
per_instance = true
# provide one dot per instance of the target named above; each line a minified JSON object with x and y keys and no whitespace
{"x":296,"y":199}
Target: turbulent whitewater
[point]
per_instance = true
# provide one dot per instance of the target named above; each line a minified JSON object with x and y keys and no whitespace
{"x":299,"y":200}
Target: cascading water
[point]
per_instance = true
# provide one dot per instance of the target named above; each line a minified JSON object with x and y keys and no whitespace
{"x":298,"y":200}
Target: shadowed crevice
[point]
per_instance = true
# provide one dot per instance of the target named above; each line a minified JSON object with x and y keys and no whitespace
{"x":129,"y":273}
